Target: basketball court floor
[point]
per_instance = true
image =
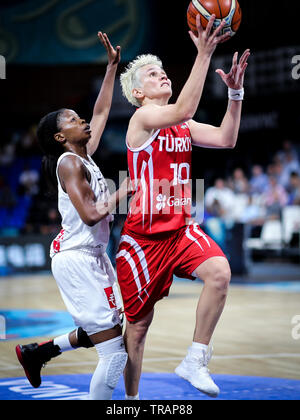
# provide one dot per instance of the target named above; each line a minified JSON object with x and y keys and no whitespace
{"x":256,"y":343}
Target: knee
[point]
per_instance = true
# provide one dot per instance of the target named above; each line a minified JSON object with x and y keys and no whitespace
{"x":220,"y":279}
{"x":136,"y":333}
{"x":140,"y":334}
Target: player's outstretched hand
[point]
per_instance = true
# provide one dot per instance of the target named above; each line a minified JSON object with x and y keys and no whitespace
{"x":207,"y":39}
{"x":235,"y":78}
{"x":114,"y":55}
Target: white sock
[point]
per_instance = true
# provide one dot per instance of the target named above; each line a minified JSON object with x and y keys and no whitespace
{"x":63,"y":343}
{"x":197,"y":348}
{"x":112,"y":361}
{"x":135,"y":397}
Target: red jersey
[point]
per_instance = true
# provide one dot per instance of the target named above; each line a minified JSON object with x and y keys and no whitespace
{"x":160,"y":171}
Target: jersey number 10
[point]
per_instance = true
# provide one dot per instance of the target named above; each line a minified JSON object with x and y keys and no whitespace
{"x":180,"y":169}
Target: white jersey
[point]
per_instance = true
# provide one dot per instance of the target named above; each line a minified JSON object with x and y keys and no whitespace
{"x":75,"y":234}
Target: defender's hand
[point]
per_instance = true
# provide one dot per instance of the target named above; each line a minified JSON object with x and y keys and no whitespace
{"x":114,"y":55}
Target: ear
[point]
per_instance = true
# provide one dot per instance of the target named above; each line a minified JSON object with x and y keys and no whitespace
{"x":60,"y":138}
{"x":137,"y":93}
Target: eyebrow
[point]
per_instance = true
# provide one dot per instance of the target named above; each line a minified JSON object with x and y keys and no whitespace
{"x":73,"y":116}
{"x":154,"y":68}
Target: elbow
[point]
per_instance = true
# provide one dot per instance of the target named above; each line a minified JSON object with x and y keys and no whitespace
{"x":96,"y":215}
{"x":185,"y":113}
{"x":188,"y":114}
{"x":229,"y":143}
{"x":91,"y":220}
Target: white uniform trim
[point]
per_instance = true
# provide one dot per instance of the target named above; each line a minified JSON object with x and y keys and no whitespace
{"x":140,"y":253}
{"x":142,"y":258}
{"x":145,"y":145}
{"x":131,"y":262}
{"x":189,"y":236}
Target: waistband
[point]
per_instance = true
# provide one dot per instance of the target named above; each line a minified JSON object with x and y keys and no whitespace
{"x":157,"y":237}
{"x":94,"y":251}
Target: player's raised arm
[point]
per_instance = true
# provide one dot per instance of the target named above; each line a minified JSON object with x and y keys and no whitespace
{"x":156,"y":114}
{"x":104,"y":100}
{"x":226,"y":135}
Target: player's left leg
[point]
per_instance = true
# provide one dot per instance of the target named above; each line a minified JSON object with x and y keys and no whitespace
{"x":203,"y":259}
{"x":215,"y":273}
{"x":94,"y":306}
{"x":34,"y":356}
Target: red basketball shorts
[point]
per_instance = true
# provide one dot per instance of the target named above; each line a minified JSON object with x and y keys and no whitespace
{"x":145,"y":267}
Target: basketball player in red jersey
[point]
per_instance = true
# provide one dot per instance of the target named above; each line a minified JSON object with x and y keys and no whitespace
{"x":158,"y":238}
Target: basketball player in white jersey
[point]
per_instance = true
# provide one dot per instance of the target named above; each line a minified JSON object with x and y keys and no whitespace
{"x":80,"y":265}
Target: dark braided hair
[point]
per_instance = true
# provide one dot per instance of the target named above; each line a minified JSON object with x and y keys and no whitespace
{"x":52,"y":149}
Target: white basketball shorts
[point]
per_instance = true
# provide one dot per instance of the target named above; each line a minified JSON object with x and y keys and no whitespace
{"x":87,"y":282}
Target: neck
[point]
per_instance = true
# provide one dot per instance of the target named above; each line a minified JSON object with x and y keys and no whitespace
{"x":78,"y":150}
{"x":157,"y":101}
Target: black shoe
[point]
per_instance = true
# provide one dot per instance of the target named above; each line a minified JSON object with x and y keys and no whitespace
{"x":33,"y":357}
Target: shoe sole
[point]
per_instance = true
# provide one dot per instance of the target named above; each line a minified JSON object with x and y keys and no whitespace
{"x":22,"y":362}
{"x":187,"y":378}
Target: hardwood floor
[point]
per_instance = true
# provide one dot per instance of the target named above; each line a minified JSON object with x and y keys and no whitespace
{"x":253,"y":337}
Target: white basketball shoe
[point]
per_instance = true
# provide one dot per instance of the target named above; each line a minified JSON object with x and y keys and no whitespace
{"x":194,"y":369}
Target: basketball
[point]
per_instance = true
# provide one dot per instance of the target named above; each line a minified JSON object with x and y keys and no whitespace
{"x":223,"y":9}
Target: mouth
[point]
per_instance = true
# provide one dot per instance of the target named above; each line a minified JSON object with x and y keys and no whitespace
{"x":87,"y":129}
{"x":165,"y":84}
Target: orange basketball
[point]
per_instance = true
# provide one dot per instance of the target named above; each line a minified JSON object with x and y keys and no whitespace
{"x":223,"y":9}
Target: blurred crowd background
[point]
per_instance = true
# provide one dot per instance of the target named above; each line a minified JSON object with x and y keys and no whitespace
{"x":252,"y":193}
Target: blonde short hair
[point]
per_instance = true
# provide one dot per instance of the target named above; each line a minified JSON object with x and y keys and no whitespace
{"x":129,"y":78}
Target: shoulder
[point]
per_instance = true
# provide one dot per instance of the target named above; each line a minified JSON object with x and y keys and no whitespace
{"x":142,"y":112}
{"x":70,"y":166}
{"x":69,"y":161}
{"x":138,"y":131}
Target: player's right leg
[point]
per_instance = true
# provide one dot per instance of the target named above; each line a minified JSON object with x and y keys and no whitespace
{"x":112,"y":361}
{"x":142,"y":284}
{"x":135,"y":338}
